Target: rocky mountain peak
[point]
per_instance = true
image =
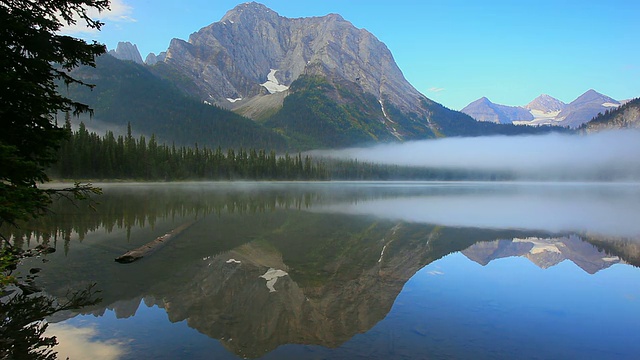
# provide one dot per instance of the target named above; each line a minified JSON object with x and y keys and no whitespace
{"x":249,"y":11}
{"x":545,"y":104}
{"x":127,"y":51}
{"x":253,"y":51}
{"x":592,"y":96}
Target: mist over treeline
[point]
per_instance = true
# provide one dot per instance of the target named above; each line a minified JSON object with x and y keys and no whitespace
{"x":605,"y":156}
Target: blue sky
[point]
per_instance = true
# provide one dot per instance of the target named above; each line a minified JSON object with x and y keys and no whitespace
{"x":453,"y":51}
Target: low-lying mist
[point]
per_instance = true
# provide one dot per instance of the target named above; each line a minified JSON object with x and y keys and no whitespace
{"x":605,"y":156}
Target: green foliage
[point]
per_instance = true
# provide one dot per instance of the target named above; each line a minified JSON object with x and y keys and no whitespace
{"x":320,"y":113}
{"x":129,"y":93}
{"x":86,"y":155}
{"x":32,"y":58}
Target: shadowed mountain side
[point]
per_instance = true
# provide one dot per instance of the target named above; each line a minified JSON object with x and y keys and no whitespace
{"x":126,"y":92}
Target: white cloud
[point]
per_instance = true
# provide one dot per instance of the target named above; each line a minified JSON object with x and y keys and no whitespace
{"x":435,"y":89}
{"x":119,"y":12}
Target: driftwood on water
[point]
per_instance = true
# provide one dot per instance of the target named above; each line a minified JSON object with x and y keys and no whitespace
{"x":146,"y":249}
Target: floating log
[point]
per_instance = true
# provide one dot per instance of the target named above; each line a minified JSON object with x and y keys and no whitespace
{"x":148,"y":248}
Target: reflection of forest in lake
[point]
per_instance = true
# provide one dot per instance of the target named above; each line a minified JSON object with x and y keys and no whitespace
{"x":267,"y":265}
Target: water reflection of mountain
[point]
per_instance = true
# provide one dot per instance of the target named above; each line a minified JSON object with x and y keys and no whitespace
{"x":544,"y":252}
{"x":327,"y":283}
{"x":256,"y":272}
{"x":342,"y":275}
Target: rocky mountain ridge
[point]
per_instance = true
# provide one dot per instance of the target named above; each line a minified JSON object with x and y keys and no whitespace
{"x":544,"y":110}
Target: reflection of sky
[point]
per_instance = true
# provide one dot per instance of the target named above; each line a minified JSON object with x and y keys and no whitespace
{"x":80,"y":342}
{"x":455,"y":308}
{"x":147,"y":335}
{"x":612,"y":210}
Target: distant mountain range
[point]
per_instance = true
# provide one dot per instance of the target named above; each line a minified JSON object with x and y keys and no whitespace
{"x":315,"y":82}
{"x":544,"y":110}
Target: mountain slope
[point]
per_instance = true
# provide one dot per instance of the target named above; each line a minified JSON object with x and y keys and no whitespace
{"x":625,"y":117}
{"x":126,"y":92}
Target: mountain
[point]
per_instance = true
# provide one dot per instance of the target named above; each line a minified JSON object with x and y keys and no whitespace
{"x":625,"y":117}
{"x":544,"y":110}
{"x":254,"y":52}
{"x":127,"y":51}
{"x":297,"y":84}
{"x":585,"y":108}
{"x":320,"y":81}
{"x":484,"y":110}
{"x":545,"y":104}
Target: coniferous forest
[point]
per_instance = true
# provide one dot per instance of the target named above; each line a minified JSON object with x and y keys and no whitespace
{"x":86,"y":155}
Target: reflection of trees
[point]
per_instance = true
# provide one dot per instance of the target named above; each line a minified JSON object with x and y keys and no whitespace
{"x":139,"y":205}
{"x":132,"y":207}
{"x":22,"y":323}
{"x":627,"y":249}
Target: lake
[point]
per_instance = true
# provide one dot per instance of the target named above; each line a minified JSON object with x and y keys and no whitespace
{"x":347,"y":270}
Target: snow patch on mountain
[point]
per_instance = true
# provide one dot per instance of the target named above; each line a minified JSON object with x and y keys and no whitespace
{"x":272,"y":84}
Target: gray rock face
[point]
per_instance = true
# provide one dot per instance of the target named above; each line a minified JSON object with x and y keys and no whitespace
{"x":254,"y":52}
{"x":484,"y":110}
{"x":127,"y":51}
{"x":153,"y":59}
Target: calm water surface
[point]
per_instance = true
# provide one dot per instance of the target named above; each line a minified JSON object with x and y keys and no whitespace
{"x":349,"y":270}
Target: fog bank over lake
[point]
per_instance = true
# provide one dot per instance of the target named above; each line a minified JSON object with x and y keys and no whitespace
{"x":603,"y":209}
{"x":608,"y":155}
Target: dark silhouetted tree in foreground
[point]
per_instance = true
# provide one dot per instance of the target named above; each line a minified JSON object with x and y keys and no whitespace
{"x":33,"y":57}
